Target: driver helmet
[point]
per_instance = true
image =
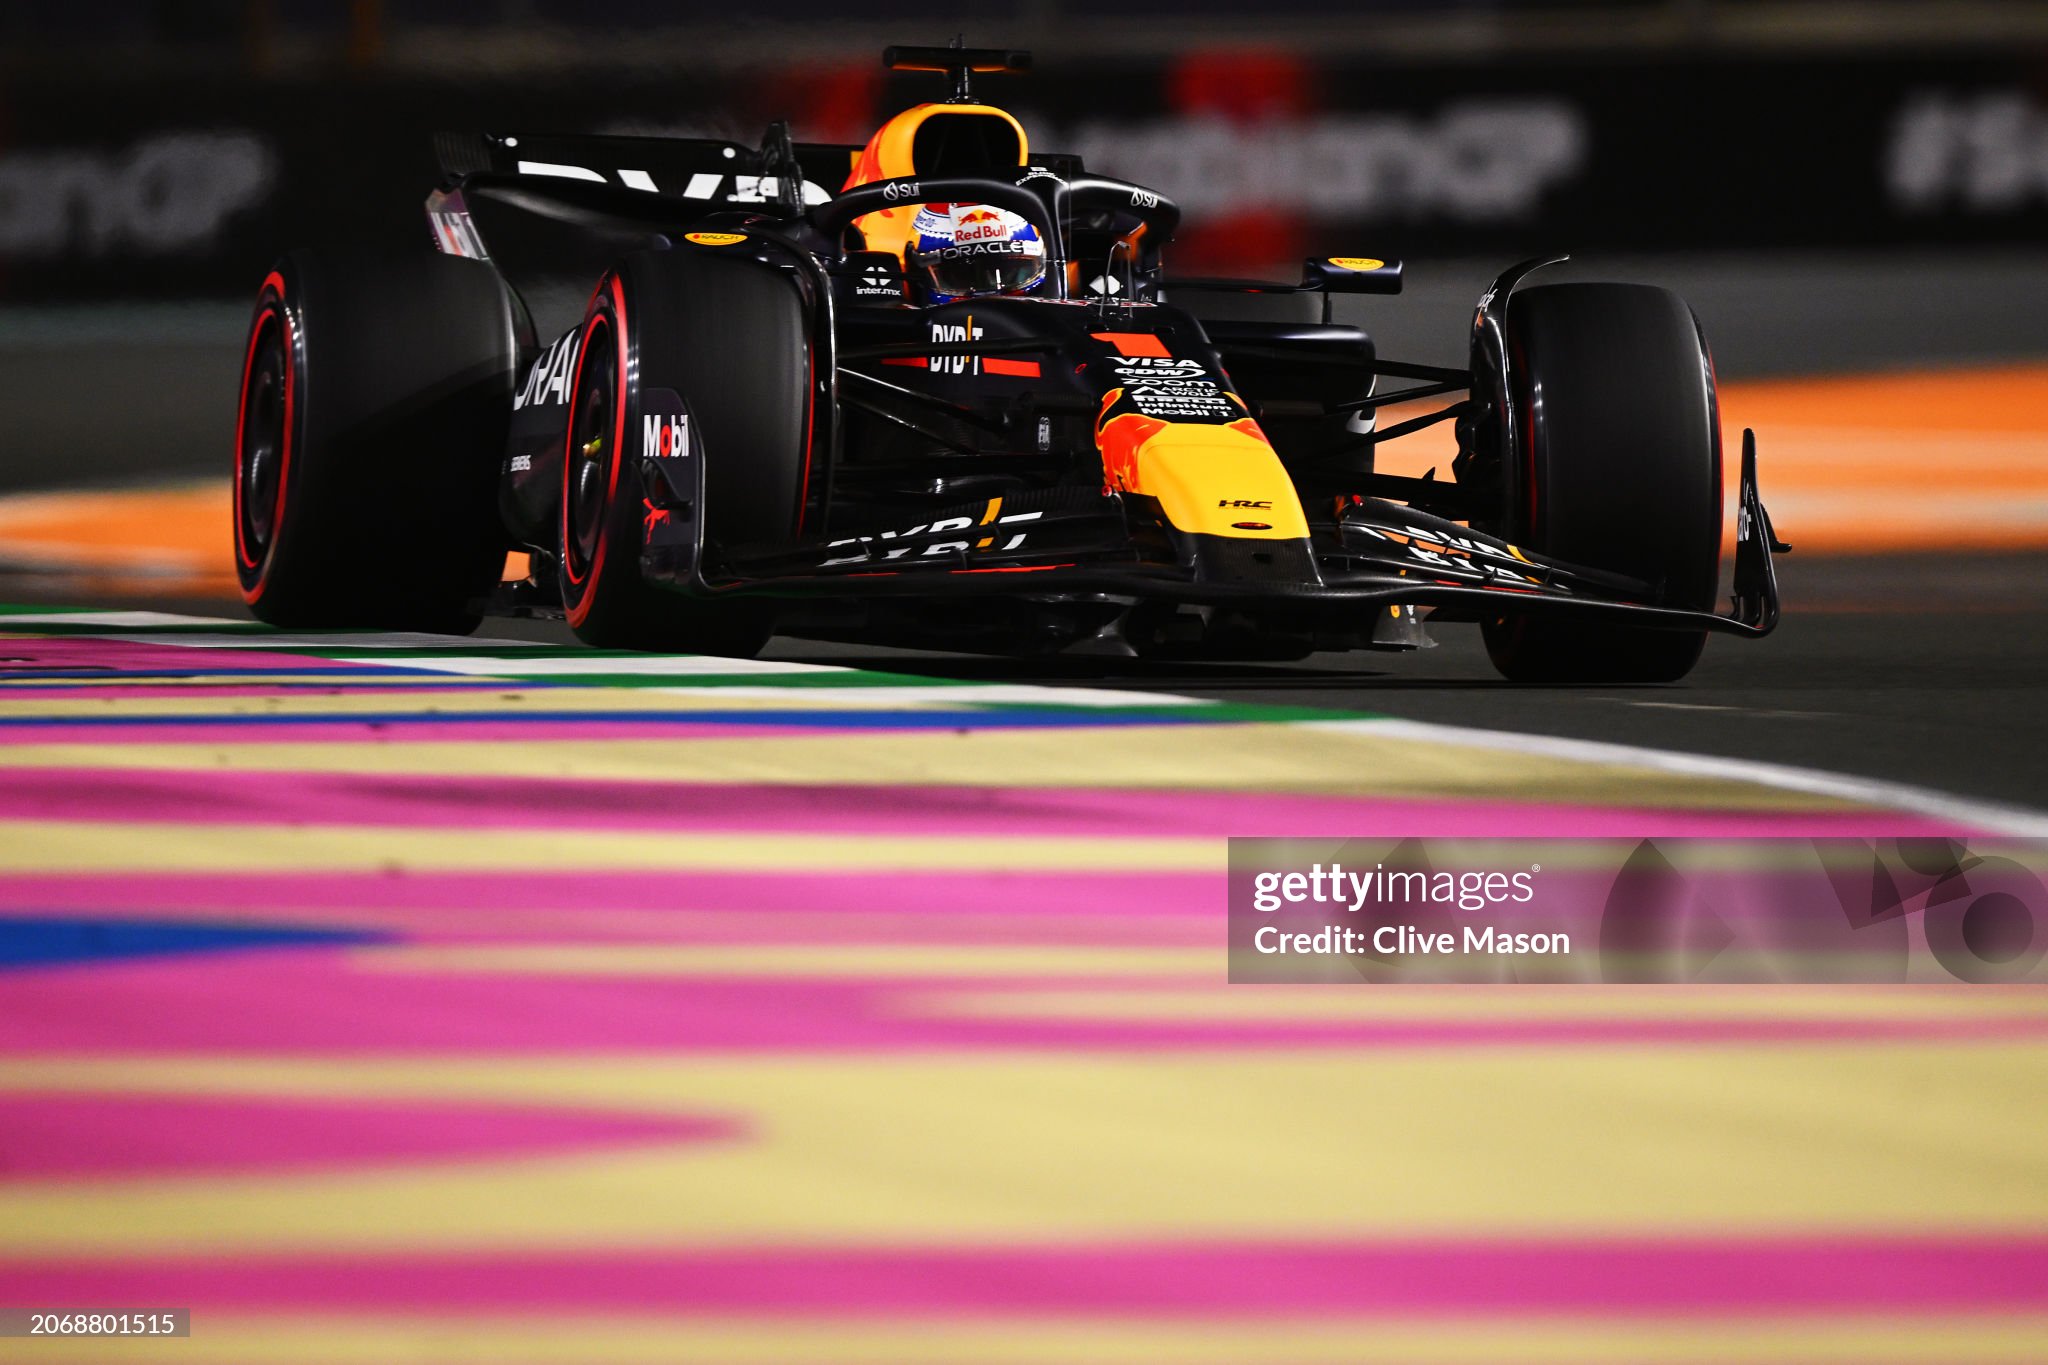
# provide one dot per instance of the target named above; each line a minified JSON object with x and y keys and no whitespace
{"x":964,"y":251}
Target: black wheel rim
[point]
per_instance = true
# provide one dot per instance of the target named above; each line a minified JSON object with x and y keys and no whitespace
{"x":590,"y":451}
{"x":260,"y":460}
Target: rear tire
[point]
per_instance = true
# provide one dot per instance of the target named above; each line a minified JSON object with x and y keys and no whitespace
{"x":1622,"y":451}
{"x":729,"y":337}
{"x":372,"y":420}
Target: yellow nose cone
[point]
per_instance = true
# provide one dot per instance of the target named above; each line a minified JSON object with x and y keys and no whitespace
{"x":1209,"y":480}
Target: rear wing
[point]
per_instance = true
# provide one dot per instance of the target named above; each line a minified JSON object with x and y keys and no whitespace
{"x":710,"y":172}
{"x":613,"y":181}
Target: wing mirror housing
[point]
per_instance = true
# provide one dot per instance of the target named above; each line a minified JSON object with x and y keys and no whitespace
{"x":1352,"y":274}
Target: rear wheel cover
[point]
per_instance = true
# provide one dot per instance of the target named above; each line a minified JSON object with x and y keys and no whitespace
{"x":369,"y":436}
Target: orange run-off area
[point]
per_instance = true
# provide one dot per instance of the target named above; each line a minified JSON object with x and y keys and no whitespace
{"x":1863,"y":464}
{"x":1890,"y":463}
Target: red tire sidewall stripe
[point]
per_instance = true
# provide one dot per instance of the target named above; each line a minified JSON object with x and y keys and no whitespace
{"x":590,"y":326}
{"x":271,"y":300}
{"x":265,"y":313}
{"x":580,"y":609}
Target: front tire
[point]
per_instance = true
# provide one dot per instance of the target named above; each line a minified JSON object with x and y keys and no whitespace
{"x":729,"y":338}
{"x":1622,"y":471}
{"x":374,"y":404}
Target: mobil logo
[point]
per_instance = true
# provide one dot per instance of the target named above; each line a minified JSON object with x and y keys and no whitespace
{"x":664,"y":436}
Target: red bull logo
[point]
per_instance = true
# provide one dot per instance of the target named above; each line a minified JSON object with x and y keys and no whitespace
{"x":979,"y":225}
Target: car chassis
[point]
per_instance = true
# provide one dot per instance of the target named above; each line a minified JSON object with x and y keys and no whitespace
{"x":988,"y":399}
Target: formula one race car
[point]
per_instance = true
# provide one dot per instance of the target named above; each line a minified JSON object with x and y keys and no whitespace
{"x":942,"y":394}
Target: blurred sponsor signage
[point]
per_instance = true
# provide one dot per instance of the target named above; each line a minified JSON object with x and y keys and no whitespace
{"x":1467,"y":161}
{"x":166,"y":194}
{"x":1982,"y":152}
{"x":192,"y":190}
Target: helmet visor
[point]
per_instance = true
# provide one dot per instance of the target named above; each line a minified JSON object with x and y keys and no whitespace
{"x":983,"y":268}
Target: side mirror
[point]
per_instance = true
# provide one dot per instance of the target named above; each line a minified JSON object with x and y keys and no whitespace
{"x":1351,"y":275}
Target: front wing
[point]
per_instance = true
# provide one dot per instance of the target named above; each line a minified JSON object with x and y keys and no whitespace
{"x":1377,"y":554}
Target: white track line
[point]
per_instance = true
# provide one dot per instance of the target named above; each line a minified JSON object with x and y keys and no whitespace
{"x":112,"y":620}
{"x":651,"y":665}
{"x":261,"y":640}
{"x":940,"y":693}
{"x":1988,"y":816}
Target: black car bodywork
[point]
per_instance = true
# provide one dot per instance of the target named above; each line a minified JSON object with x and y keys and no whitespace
{"x":1077,"y":463}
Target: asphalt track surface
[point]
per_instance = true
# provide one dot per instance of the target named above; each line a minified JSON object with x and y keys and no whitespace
{"x":1902,"y":670}
{"x":1899,"y":669}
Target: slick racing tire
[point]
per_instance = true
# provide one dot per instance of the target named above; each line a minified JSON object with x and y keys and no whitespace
{"x":1621,"y":440}
{"x":729,"y":339}
{"x":374,"y":405}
